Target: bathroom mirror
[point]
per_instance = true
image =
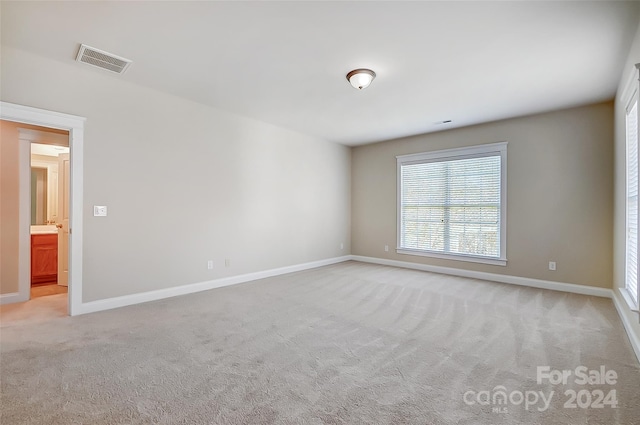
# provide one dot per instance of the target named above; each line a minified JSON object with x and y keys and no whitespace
{"x":39,"y":196}
{"x":44,"y":182}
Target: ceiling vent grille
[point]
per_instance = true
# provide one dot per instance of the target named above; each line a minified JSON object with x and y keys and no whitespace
{"x":102,"y":59}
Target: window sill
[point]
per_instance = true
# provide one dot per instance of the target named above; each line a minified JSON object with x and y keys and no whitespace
{"x":627,"y":298}
{"x":455,"y":257}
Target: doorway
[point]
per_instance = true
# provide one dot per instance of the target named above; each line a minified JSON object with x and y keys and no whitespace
{"x":49,"y":161}
{"x":74,"y":126}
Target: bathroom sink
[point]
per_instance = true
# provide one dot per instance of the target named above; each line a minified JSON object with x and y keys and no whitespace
{"x":44,"y":229}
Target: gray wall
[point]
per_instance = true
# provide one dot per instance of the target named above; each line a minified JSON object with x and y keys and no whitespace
{"x":185,"y":183}
{"x":559,"y":199}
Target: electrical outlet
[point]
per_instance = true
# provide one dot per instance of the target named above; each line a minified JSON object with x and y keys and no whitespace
{"x":227,"y":262}
{"x":210,"y":264}
{"x":552,"y":265}
{"x":99,"y":211}
{"x":386,"y":248}
{"x":342,"y":246}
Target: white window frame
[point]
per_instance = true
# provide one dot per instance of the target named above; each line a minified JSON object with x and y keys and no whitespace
{"x":630,"y":99}
{"x":497,"y":149}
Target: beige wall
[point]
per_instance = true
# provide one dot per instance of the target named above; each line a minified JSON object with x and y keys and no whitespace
{"x":185,"y":183}
{"x":620,"y":184}
{"x":559,"y":199}
{"x":8,"y":207}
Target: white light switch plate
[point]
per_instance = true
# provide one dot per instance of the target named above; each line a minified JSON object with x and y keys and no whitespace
{"x":99,"y":211}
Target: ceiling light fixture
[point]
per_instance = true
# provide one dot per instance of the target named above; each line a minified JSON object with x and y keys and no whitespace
{"x":361,"y":78}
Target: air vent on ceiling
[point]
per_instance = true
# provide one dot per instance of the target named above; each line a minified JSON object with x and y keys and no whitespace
{"x":102,"y":59}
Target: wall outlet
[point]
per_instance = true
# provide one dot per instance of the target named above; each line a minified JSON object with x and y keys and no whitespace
{"x":342,"y":245}
{"x":386,"y":248}
{"x":552,"y":265}
{"x":227,"y":262}
{"x":99,"y":211}
{"x":210,"y":264}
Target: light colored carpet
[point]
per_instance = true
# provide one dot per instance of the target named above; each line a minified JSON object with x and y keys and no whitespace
{"x":351,"y":343}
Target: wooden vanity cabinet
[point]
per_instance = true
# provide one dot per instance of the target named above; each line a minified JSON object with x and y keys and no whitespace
{"x":44,"y":258}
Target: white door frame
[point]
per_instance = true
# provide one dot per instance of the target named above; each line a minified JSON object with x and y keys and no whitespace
{"x":75,"y":126}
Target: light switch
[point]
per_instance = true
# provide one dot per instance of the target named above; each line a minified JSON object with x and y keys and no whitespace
{"x":99,"y":211}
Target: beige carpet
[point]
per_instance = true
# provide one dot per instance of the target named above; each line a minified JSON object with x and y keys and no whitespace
{"x":351,"y":343}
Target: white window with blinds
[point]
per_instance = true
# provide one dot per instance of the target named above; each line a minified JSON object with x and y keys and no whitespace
{"x":631,"y":278}
{"x":452,"y":204}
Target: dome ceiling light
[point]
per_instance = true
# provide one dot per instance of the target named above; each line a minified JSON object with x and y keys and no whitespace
{"x":361,"y":78}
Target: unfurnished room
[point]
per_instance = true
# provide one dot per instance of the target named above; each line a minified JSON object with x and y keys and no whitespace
{"x":319,"y":212}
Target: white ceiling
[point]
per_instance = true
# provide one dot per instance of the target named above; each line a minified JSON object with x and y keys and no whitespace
{"x":285,"y":62}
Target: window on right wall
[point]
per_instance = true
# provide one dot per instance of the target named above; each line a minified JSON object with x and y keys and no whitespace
{"x":632,"y":210}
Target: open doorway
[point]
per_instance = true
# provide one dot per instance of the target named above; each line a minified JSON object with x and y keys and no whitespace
{"x":16,"y":214}
{"x":49,"y":199}
{"x":45,"y":172}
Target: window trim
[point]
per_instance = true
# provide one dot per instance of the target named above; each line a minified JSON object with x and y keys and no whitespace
{"x":630,"y":98}
{"x":477,"y":151}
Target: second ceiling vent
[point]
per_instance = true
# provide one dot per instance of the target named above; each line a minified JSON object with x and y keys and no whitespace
{"x":101,"y":59}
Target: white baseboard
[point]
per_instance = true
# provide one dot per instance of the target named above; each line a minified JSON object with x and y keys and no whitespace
{"x":10,"y":298}
{"x":514,"y":280}
{"x":625,"y":316}
{"x":110,"y":303}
